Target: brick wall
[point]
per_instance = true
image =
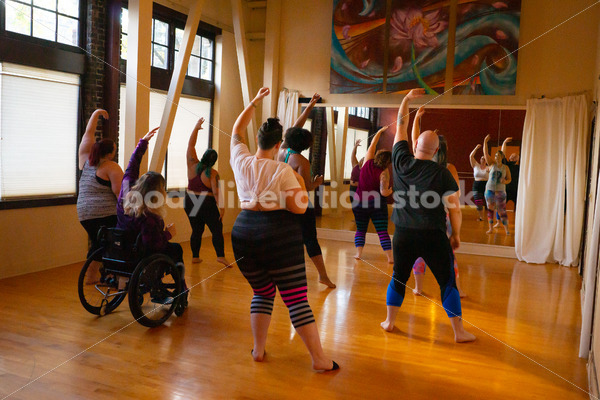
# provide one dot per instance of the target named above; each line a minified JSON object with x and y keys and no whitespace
{"x":93,"y":81}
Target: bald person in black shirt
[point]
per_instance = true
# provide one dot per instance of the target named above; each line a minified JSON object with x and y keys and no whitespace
{"x":423,"y":190}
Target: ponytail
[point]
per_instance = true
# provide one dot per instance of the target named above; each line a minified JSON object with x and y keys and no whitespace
{"x":100,"y":149}
{"x":206,"y":163}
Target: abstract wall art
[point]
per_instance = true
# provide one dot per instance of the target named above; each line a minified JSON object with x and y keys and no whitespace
{"x":380,"y":46}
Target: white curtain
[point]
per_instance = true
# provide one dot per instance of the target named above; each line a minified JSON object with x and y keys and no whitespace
{"x":287,"y":108}
{"x":551,"y":193}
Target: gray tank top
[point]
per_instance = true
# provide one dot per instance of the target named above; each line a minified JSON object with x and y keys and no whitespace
{"x":494,"y":181}
{"x":95,"y":200}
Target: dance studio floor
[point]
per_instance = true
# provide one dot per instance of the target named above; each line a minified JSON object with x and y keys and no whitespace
{"x":526,"y":318}
{"x":472,"y":230}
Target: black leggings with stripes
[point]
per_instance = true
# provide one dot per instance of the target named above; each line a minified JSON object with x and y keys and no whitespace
{"x":269,"y":252}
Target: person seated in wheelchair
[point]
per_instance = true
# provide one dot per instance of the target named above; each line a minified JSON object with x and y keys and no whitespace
{"x":141,"y":207}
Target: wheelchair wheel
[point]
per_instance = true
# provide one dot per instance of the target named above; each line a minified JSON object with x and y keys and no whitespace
{"x":154,"y":289}
{"x":98,"y":291}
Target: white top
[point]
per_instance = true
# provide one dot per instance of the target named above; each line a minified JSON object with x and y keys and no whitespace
{"x":260,"y":180}
{"x":480,"y":174}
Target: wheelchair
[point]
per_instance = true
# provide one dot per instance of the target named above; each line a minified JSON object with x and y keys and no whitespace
{"x":154,"y":282}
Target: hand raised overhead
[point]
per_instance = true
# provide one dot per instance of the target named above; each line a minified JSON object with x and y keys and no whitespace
{"x":199,"y":124}
{"x":150,"y":134}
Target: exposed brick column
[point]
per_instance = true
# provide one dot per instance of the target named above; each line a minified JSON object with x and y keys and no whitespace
{"x":93,"y":81}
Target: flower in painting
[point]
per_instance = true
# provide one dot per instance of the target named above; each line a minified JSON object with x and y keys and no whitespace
{"x":413,"y":25}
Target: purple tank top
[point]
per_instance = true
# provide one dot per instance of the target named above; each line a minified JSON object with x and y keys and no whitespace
{"x":369,"y":178}
{"x":355,"y":174}
{"x":195,"y":184}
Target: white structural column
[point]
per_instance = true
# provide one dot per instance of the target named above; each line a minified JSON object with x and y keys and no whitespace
{"x":137,"y":95}
{"x":340,"y":153}
{"x":239,"y":28}
{"x":331,"y":142}
{"x":271,"y":71}
{"x":174,"y":93}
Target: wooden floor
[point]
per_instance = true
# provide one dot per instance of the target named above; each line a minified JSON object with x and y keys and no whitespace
{"x":472,"y":230}
{"x":527,"y":319}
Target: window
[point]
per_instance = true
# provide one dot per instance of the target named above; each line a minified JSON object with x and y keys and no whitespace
{"x":190,"y":109}
{"x":201,"y":64}
{"x":38,"y":132}
{"x":361,"y":112}
{"x":197,"y":94}
{"x":160,"y":44}
{"x":53,"y":20}
{"x":124,"y":32}
{"x":352,"y":135}
{"x":201,"y":59}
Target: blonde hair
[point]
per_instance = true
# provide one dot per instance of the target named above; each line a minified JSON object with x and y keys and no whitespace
{"x":139,"y":200}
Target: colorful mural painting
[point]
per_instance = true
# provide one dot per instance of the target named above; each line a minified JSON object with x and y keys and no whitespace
{"x":358,"y":46}
{"x":416,"y":50}
{"x":418,"y":46}
{"x":487,"y":37}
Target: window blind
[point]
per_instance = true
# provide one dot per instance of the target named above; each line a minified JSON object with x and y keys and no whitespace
{"x":38,"y":132}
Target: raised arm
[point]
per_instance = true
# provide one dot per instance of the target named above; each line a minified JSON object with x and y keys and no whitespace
{"x":472,"y":156}
{"x":486,"y":152}
{"x":403,"y":116}
{"x":384,"y":184}
{"x":353,"y":158}
{"x":239,"y":128}
{"x":191,"y":156}
{"x":304,"y":116}
{"x":88,"y":139}
{"x":373,"y":147}
{"x":416,"y":128}
{"x":506,"y":141}
{"x":132,"y":172}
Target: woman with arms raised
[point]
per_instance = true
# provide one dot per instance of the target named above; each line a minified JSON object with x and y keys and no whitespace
{"x":100,"y":181}
{"x":373,"y":185}
{"x":267,"y":236}
{"x":202,"y":198}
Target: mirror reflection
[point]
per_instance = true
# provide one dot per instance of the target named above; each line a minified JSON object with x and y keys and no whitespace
{"x":463,"y":132}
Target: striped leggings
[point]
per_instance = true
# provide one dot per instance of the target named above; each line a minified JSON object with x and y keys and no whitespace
{"x":270,"y":254}
{"x":379,"y":216}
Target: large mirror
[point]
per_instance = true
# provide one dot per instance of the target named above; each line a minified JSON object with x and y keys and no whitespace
{"x":463,"y":128}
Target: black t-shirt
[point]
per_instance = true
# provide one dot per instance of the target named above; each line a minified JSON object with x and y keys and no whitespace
{"x":419,"y":188}
{"x":514,"y":175}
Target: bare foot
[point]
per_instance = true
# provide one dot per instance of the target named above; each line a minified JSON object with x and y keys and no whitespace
{"x":464,"y":337}
{"x":224,"y":261}
{"x":258,"y":358}
{"x":387,"y":326}
{"x":417,"y":292}
{"x":196,"y":260}
{"x":490,"y":231}
{"x":390,"y":261}
{"x":325,"y":281}
{"x":325,"y":365}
